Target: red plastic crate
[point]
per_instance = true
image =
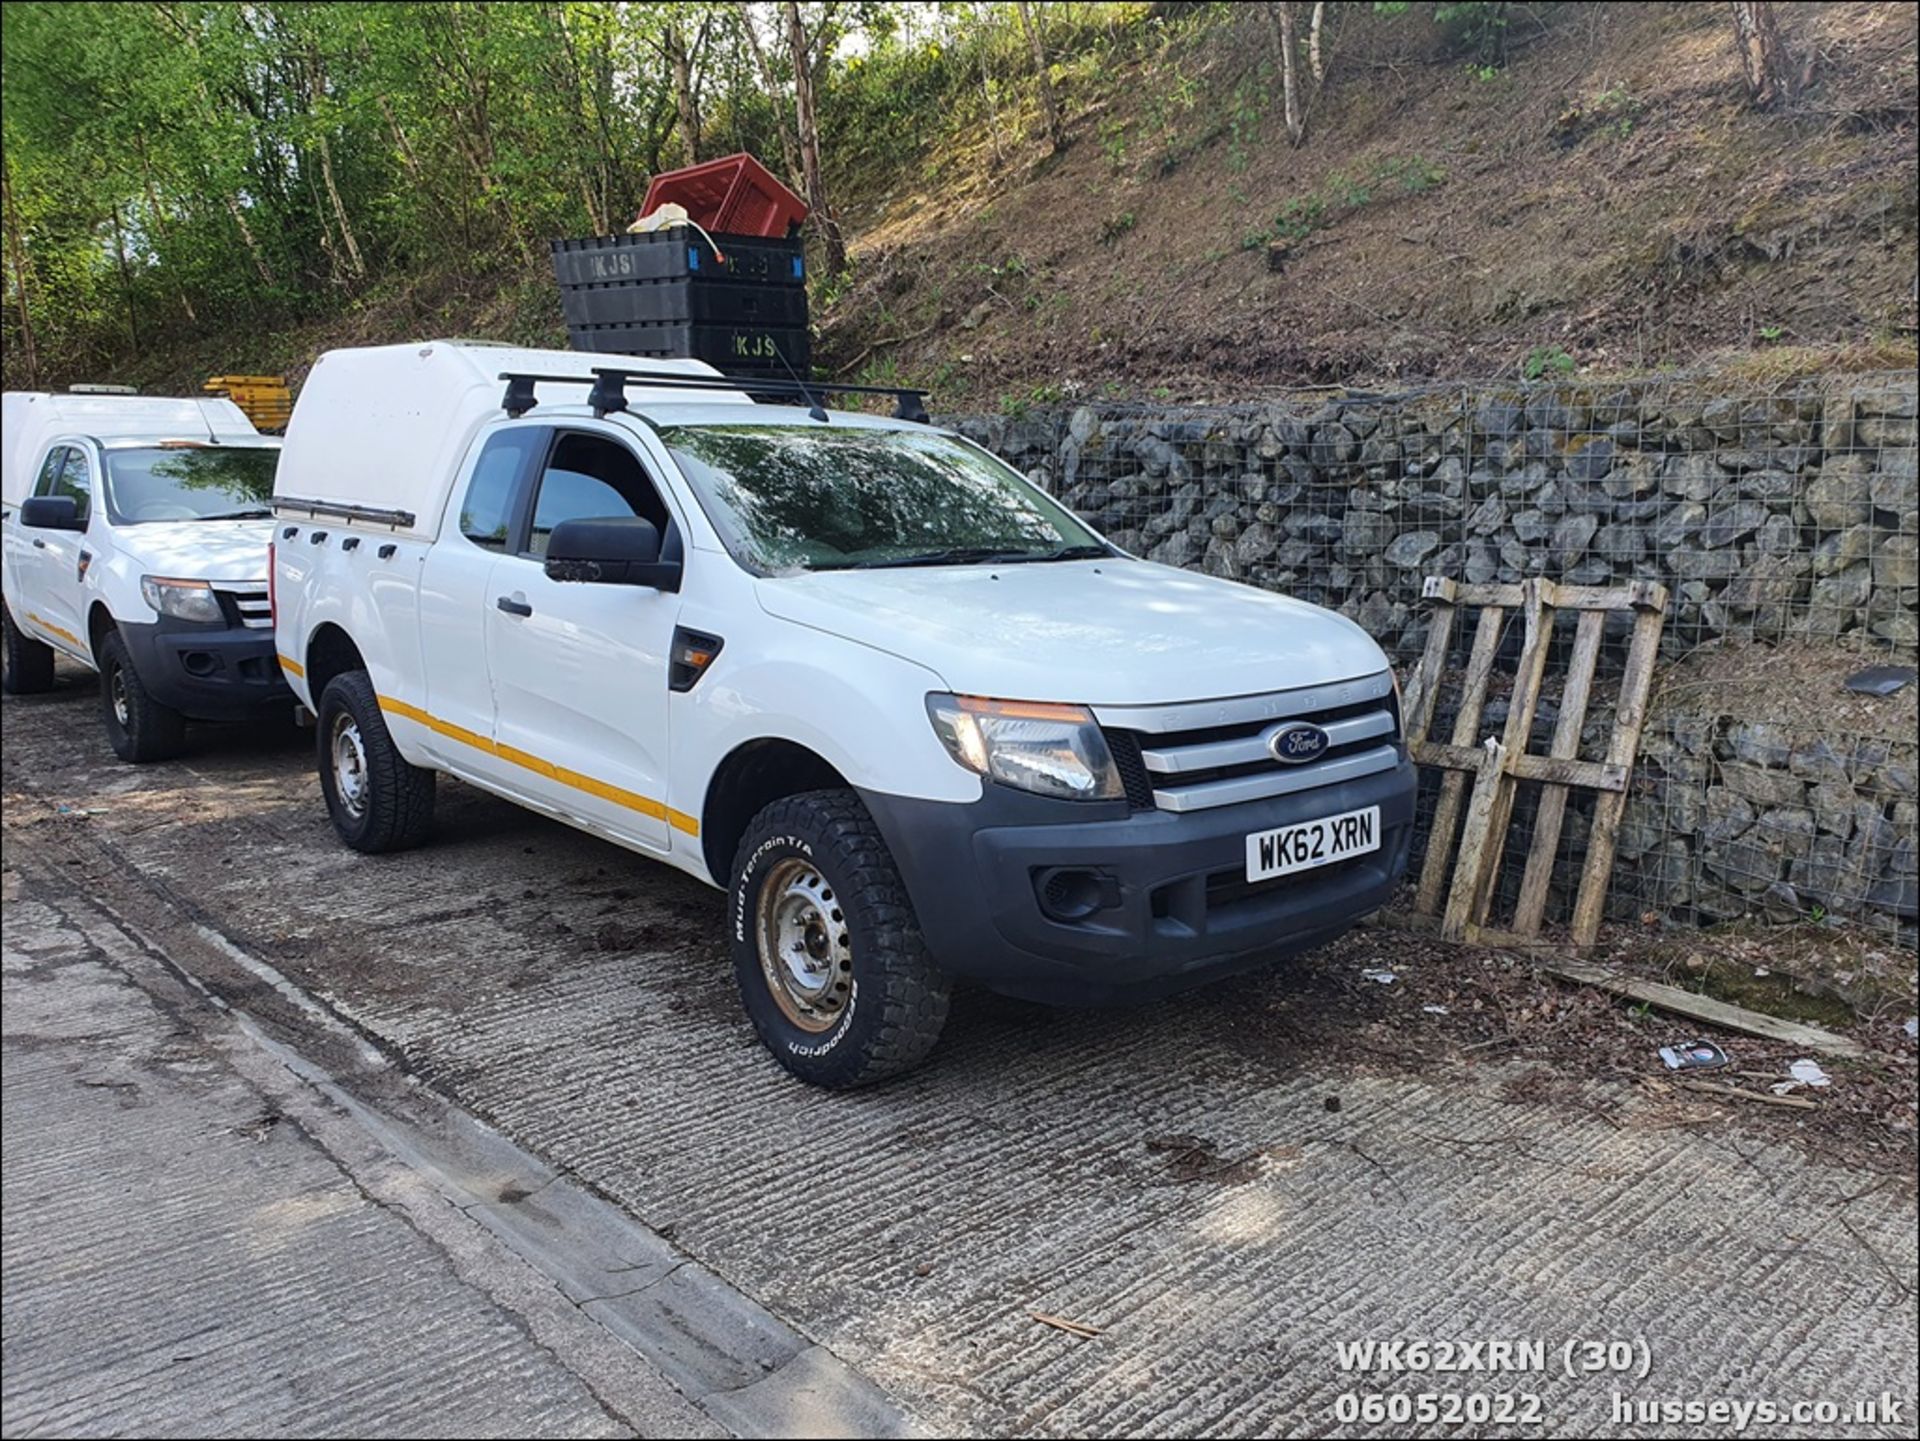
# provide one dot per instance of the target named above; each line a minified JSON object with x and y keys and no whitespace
{"x":734,"y":196}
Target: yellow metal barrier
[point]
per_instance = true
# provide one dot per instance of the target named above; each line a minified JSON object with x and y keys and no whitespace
{"x":265,"y":399}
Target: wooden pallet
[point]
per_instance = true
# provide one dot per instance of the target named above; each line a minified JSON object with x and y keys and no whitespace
{"x":1461,"y":905}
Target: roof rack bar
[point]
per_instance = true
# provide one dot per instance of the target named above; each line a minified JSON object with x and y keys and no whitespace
{"x":743,"y":382}
{"x":608,"y":385}
{"x":317,"y":509}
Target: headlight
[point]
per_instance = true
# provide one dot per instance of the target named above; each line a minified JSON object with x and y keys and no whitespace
{"x":182,"y":599}
{"x":1053,"y":750}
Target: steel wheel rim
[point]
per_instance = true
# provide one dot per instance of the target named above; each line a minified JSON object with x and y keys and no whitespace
{"x":805,"y":944}
{"x":117,"y":693}
{"x":349,"y":766}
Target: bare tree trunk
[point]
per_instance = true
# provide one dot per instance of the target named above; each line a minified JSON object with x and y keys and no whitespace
{"x":126,"y":279}
{"x":317,"y":92}
{"x":1763,"y":54}
{"x":1280,"y":12}
{"x":834,"y":246}
{"x":1315,"y":27}
{"x":588,"y":141}
{"x":407,"y":157}
{"x":686,"y":108}
{"x":986,"y":91}
{"x":1049,"y":102}
{"x":358,"y":265}
{"x":211,"y":116}
{"x":473,"y":126}
{"x":789,"y":148}
{"x":239,"y":214}
{"x":336,"y":272}
{"x":17,"y":254}
{"x":160,"y":219}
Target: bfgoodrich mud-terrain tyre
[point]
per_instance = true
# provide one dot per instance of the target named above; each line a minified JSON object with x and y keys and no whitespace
{"x":139,"y":728}
{"x":377,"y":800}
{"x":27,"y":666}
{"x":831,"y":964}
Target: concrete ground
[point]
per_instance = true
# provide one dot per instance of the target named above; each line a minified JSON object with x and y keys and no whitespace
{"x":1225,"y":1211}
{"x":185,"y":1254}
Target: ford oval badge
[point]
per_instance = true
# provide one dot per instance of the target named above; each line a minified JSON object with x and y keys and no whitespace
{"x":1297,"y":743}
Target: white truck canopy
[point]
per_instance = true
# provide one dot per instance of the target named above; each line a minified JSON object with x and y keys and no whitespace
{"x":378,"y":433}
{"x":29,"y":419}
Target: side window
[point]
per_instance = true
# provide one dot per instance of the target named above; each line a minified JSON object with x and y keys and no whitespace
{"x":49,"y":477}
{"x":487,"y":509}
{"x":589,"y":477}
{"x":76,"y":480}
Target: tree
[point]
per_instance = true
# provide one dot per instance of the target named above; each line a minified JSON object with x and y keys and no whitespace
{"x":1049,"y":102}
{"x":17,"y":257}
{"x":1769,"y":69}
{"x":803,"y":48}
{"x":789,"y":145}
{"x":680,"y":43}
{"x":1280,"y":14}
{"x":1315,"y":61}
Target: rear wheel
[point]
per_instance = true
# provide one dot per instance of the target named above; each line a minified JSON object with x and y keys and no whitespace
{"x":26,"y":665}
{"x":377,"y":800}
{"x":826,"y":947}
{"x":139,"y":728}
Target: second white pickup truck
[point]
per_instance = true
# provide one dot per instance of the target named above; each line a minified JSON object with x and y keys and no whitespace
{"x":921,"y":721}
{"x":135,"y":534}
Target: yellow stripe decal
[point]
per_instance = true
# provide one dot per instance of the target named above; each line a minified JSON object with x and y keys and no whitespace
{"x":292,"y":667}
{"x":51,"y":629}
{"x":632,"y":800}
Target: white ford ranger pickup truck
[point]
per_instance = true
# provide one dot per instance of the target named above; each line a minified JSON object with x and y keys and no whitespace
{"x":135,"y":542}
{"x":917,"y":718}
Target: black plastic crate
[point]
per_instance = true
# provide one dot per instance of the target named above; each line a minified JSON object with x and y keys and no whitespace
{"x":682,"y":302}
{"x":677,"y":254}
{"x":734,"y":349}
{"x":664,"y":294}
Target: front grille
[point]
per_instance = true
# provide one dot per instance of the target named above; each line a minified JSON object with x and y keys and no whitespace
{"x":1215,"y":753}
{"x":1125,"y":746}
{"x":249,"y":604}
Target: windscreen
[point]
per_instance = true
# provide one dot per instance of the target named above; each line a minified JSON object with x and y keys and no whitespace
{"x":226,"y":482}
{"x":817,"y":498}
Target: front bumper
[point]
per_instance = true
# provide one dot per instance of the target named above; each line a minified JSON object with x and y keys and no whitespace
{"x":1179,"y":910}
{"x":207,"y":672}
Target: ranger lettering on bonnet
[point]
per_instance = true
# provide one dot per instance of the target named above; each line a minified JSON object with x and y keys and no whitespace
{"x":918,"y":718}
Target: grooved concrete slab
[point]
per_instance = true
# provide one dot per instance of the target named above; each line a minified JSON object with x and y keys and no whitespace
{"x":181,"y":1259}
{"x":578,"y":999}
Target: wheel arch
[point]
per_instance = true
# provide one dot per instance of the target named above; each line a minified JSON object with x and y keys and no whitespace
{"x":751,"y":777}
{"x":330,"y":652}
{"x":100,"y":624}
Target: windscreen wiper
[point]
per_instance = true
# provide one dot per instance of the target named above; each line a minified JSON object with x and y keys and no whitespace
{"x":1086,"y":551}
{"x":981,"y":554}
{"x":252,"y":512}
{"x":954,"y":555}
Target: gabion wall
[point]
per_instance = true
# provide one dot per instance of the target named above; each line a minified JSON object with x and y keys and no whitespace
{"x":1788,"y":513}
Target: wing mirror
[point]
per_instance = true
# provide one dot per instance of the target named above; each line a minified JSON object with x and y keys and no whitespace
{"x":51,"y":512}
{"x":617,"y":550}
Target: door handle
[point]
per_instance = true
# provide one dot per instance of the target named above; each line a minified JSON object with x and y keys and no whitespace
{"x":39,"y":544}
{"x":512,"y":606}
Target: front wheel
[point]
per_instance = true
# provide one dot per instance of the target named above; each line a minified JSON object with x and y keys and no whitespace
{"x":139,"y":728}
{"x":378,"y":801}
{"x":826,"y":947}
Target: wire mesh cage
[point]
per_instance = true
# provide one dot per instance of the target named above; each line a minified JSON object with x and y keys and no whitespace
{"x":1782,"y":518}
